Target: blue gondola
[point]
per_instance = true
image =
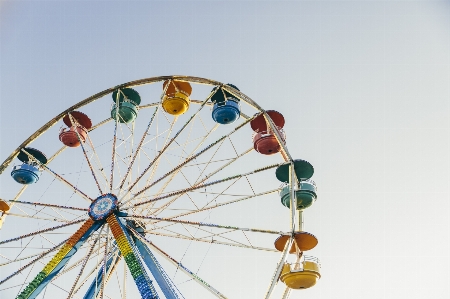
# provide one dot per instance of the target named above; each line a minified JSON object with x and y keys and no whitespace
{"x":226,"y":109}
{"x":30,"y":171}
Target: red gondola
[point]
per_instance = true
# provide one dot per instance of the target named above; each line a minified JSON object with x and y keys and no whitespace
{"x":80,"y":123}
{"x":264,"y":139}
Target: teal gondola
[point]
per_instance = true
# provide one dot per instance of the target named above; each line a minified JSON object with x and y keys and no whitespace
{"x":127,"y":100}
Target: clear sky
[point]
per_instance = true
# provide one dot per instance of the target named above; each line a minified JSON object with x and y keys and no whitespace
{"x":364,"y":87}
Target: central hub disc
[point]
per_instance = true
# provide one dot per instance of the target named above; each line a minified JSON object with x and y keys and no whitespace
{"x":103,"y":206}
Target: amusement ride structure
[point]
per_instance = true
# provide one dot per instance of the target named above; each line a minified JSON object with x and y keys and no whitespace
{"x":145,"y":172}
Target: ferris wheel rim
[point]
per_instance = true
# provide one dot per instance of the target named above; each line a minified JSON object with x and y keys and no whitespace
{"x":140,"y":82}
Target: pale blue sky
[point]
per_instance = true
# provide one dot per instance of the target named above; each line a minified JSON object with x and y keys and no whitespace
{"x":364,"y":87}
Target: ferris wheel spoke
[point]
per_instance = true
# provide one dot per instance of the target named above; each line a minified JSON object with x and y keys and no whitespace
{"x":17,"y":259}
{"x":221,"y":204}
{"x":187,"y":194}
{"x":154,"y":162}
{"x":212,"y":235}
{"x":45,"y":238}
{"x":35,"y":211}
{"x":56,"y":154}
{"x":177,"y":236}
{"x":221,"y":193}
{"x":97,"y":266}
{"x":73,"y":122}
{"x":286,"y":293}
{"x":175,"y":193}
{"x":97,"y":158}
{"x":48,"y":205}
{"x":238,"y":94}
{"x":119,"y":159}
{"x":169,"y":180}
{"x":284,"y":151}
{"x":12,"y":203}
{"x":198,"y":181}
{"x":212,"y":207}
{"x":33,"y":261}
{"x":114,"y":145}
{"x":195,"y":223}
{"x":136,"y":153}
{"x":71,"y":267}
{"x":113,"y":158}
{"x":59,"y":213}
{"x":208,"y":163}
{"x":59,"y":287}
{"x":171,"y":140}
{"x":116,"y":258}
{"x":179,"y":168}
{"x":21,"y":249}
{"x":103,"y":122}
{"x":37,"y":218}
{"x":180,"y":266}
{"x":57,"y":176}
{"x":276,"y":274}
{"x":130,"y":156}
{"x":60,"y":260}
{"x":102,"y":290}
{"x":123,"y":140}
{"x":246,"y":178}
{"x":156,"y":136}
{"x":99,"y":247}
{"x":195,"y":156}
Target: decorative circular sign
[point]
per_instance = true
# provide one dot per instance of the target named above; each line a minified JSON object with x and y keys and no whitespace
{"x":103,"y":206}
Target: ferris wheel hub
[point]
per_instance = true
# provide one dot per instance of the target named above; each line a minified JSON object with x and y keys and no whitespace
{"x":103,"y":206}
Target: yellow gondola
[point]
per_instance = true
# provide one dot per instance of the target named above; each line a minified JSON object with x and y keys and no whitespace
{"x":301,"y":275}
{"x":176,"y":97}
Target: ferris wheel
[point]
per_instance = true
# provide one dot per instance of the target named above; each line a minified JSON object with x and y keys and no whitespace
{"x":102,"y":197}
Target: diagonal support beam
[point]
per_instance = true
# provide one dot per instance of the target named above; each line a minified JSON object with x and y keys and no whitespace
{"x":58,"y":262}
{"x":126,"y":247}
{"x":164,"y":282}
